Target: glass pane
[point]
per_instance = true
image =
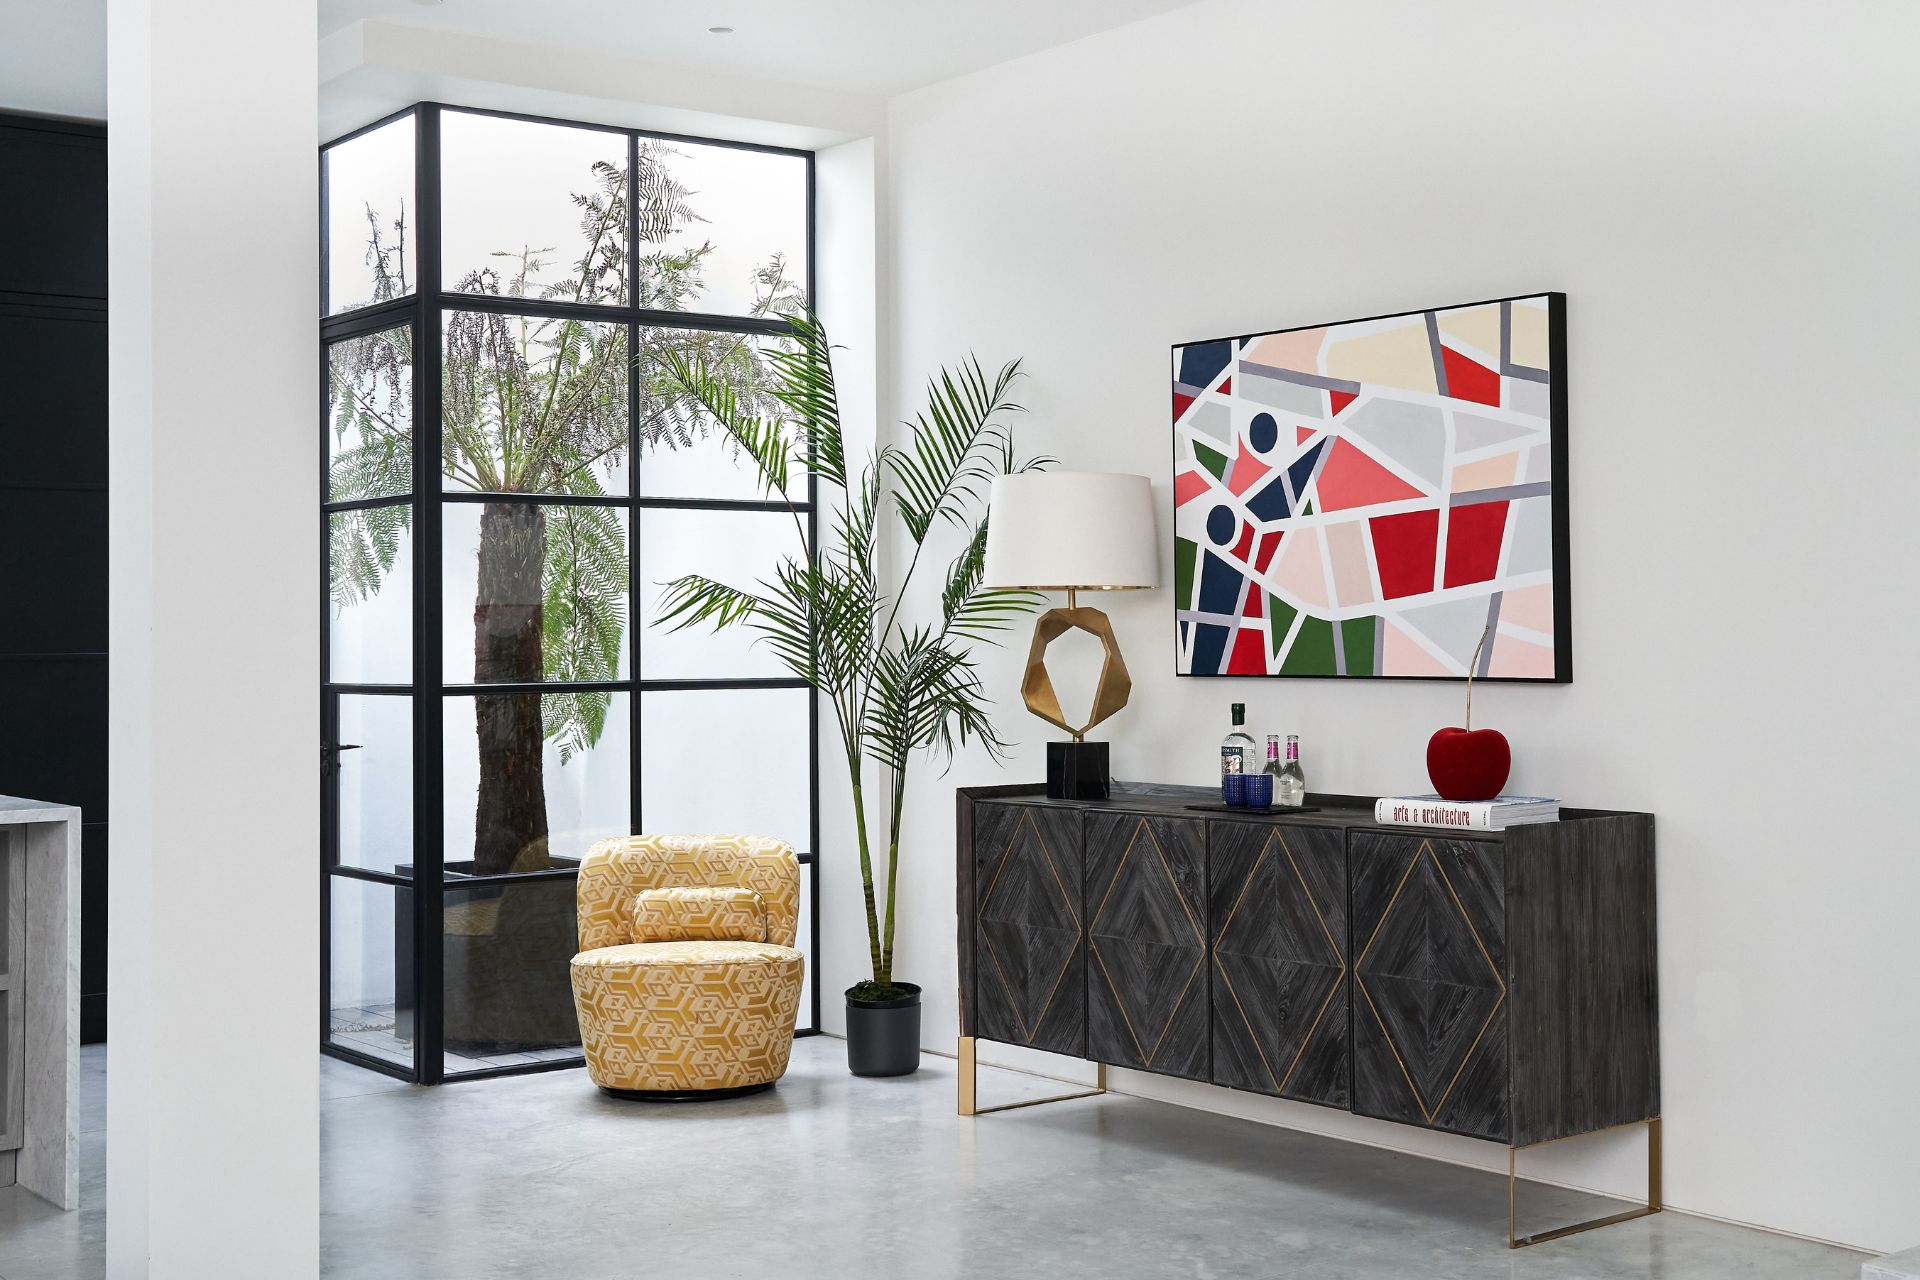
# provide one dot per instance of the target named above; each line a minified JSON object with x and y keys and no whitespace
{"x":739,"y":548}
{"x":370,"y":231}
{"x":534,"y":592}
{"x":508,"y":996}
{"x":376,"y":781}
{"x":370,"y":416}
{"x":529,"y":787}
{"x":726,"y":760}
{"x":803,"y":939}
{"x":370,"y":623}
{"x":369,"y":978}
{"x":532,"y":210}
{"x":683,"y":453}
{"x":722,"y":229}
{"x":533,"y":405}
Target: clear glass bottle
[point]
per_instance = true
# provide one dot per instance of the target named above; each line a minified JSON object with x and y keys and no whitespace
{"x":1273,"y":757}
{"x":1237,"y":748}
{"x":1290,"y":783}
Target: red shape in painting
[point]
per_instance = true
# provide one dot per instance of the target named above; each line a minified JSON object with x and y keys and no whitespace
{"x":1268,"y":545}
{"x":1226,"y":386}
{"x":1340,"y":399}
{"x":1249,"y":656}
{"x":1352,"y":479}
{"x":1181,"y":403}
{"x":1404,"y":547}
{"x":1252,"y":607}
{"x":1247,"y":472}
{"x":1187,"y":486}
{"x":1244,"y":548}
{"x":1473,"y":542}
{"x":1469,"y":379}
{"x":1303,"y":434}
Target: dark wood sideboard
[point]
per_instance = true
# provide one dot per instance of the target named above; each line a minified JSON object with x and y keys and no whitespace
{"x":1497,"y":984}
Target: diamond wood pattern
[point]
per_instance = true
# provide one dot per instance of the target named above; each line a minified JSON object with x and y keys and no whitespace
{"x":1430,"y":994}
{"x":1278,"y":909}
{"x":1147,"y":994}
{"x":1030,"y":968}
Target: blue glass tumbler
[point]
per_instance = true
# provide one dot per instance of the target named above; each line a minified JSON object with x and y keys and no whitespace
{"x":1259,"y":791}
{"x":1233,"y":788}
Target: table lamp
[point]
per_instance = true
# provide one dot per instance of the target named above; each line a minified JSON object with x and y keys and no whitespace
{"x":1072,"y":531}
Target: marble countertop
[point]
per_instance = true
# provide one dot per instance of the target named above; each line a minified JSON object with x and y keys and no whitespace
{"x":17,"y":809}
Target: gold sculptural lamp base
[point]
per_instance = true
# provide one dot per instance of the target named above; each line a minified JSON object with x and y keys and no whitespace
{"x":1115,"y":685}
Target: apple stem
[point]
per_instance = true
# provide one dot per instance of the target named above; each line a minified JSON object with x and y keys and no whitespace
{"x":1473,"y":667}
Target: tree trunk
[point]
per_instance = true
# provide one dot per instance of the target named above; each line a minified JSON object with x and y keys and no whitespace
{"x":510,"y":815}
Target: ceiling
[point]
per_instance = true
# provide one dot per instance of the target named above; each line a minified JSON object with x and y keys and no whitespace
{"x":877,"y":47}
{"x":53,"y":57}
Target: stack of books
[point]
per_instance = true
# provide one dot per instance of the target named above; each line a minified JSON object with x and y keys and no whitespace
{"x":1496,"y":814}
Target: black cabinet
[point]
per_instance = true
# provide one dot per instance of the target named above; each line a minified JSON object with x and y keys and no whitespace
{"x":1029,"y":938}
{"x":1278,"y":905}
{"x":1147,"y":988}
{"x":1501,"y":985}
{"x":1430,"y":991}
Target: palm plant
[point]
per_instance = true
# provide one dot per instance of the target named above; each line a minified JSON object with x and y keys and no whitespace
{"x":898,"y":687}
{"x":537,"y":406}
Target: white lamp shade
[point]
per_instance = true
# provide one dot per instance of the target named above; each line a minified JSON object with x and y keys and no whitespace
{"x":1071,"y":530}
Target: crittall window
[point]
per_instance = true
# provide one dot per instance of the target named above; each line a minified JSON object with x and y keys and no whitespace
{"x":509,"y":477}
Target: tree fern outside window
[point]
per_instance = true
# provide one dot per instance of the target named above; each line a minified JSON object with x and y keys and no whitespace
{"x":510,"y":470}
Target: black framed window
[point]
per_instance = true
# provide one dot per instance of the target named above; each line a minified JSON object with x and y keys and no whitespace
{"x":508,"y":478}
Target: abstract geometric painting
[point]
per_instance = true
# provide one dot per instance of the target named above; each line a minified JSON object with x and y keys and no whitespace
{"x":1369,"y":498}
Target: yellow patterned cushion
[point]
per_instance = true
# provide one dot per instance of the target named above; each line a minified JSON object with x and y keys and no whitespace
{"x":687,"y":1015}
{"x":615,"y":870}
{"x":699,"y":913}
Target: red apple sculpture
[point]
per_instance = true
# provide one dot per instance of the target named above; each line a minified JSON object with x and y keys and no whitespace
{"x":1469,"y":763}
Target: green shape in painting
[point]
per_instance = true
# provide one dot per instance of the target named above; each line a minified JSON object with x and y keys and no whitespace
{"x":1308,"y":509}
{"x":1312,"y":651}
{"x":1185,"y":551}
{"x":1212,"y":459}
{"x":1279,"y":618}
{"x":1356,"y":637}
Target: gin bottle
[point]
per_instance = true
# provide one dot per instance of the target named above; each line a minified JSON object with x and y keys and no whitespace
{"x":1237,"y":748}
{"x":1290,"y":783}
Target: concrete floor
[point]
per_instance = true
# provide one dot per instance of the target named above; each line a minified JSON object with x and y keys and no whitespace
{"x":829,"y":1176}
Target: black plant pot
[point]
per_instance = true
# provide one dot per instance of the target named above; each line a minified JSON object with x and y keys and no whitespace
{"x":883,"y":1036}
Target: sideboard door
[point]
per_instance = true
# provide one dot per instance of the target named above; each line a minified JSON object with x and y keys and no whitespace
{"x":1430,"y":995}
{"x":1147,"y":994}
{"x":1030,"y":972}
{"x":1278,"y":910}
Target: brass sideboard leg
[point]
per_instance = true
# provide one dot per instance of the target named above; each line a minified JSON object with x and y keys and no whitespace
{"x":1655,"y":1192}
{"x":970,"y":1079}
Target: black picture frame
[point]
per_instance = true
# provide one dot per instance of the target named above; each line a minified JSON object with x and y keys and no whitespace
{"x":1559,"y":486}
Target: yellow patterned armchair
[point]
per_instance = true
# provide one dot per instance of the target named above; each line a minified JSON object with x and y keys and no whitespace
{"x":687,"y":979}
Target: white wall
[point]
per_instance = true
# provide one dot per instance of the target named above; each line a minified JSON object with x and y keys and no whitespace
{"x":213,"y":955}
{"x":1727,"y":193}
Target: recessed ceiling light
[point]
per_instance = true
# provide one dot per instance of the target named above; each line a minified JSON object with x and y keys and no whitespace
{"x":716,"y":31}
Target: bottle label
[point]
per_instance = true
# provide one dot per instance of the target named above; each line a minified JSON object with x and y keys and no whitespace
{"x":1232,"y":760}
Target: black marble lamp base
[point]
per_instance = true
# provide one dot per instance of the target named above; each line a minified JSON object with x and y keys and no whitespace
{"x":1077,"y":771}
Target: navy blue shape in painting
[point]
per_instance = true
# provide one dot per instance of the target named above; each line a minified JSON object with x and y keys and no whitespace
{"x":1222,"y":525}
{"x":1302,"y":470}
{"x":1219,"y":586}
{"x":1271,"y":502}
{"x":1209,"y":649}
{"x":1203,"y":361}
{"x":1263,"y":433}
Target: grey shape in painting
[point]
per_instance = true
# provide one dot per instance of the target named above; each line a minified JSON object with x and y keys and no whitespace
{"x":1532,"y":546}
{"x":1532,"y":398}
{"x":1308,"y":402}
{"x":1212,"y":420}
{"x":1413,"y":435}
{"x":1471,"y":431}
{"x":1454,"y":626}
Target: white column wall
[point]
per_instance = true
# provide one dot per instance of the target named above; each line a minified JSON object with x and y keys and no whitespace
{"x":212,"y":1113}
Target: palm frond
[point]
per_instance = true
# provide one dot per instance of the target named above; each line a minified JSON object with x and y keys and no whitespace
{"x":950,"y":454}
